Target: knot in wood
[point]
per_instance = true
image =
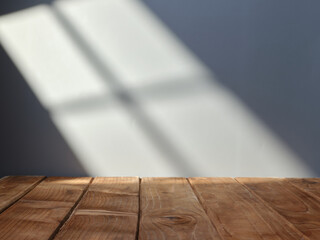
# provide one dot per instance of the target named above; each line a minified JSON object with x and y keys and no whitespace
{"x":177,"y":220}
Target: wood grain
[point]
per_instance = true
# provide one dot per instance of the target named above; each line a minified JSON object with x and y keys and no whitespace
{"x":14,"y":187}
{"x":241,"y":208}
{"x":170,"y":210}
{"x":310,"y":185}
{"x":109,"y":210}
{"x":297,"y":206}
{"x":39,"y":213}
{"x":237,"y":214}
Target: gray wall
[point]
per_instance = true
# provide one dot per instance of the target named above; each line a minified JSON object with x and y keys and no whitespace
{"x":266,"y":52}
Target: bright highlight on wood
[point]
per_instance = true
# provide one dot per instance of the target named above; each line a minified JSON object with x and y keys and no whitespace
{"x":34,"y":207}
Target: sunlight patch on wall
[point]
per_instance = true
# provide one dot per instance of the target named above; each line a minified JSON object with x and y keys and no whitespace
{"x":46,"y":56}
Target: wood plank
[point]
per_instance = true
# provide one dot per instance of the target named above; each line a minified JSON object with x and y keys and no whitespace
{"x":170,"y":210}
{"x":14,"y":187}
{"x":109,"y":210}
{"x":297,"y":206}
{"x":237,"y":214}
{"x":310,"y":185}
{"x":39,"y":213}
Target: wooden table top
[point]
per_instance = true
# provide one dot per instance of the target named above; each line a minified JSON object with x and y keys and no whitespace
{"x":35,"y":207}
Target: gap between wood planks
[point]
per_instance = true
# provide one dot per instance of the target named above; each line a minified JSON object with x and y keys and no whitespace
{"x":264,"y":202}
{"x":291,"y":199}
{"x":267,"y":205}
{"x":298,"y":186}
{"x":69,"y":214}
{"x":29,"y":189}
{"x":139,"y":211}
{"x":196,"y":194}
{"x":137,"y":236}
{"x":102,"y":203}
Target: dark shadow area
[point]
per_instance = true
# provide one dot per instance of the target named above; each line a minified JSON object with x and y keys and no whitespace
{"x":30,"y":143}
{"x":266,"y":52}
{"x":8,"y":6}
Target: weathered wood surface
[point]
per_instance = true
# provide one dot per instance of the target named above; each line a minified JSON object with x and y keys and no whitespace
{"x":39,"y":213}
{"x":238,"y":214}
{"x":170,"y":210}
{"x":309,"y":185}
{"x":295,"y":205}
{"x":159,"y":208}
{"x":14,"y":187}
{"x":109,"y":210}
